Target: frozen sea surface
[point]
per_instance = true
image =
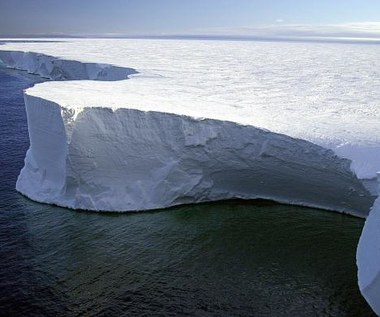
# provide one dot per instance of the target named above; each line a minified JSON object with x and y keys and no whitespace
{"x":325,"y":93}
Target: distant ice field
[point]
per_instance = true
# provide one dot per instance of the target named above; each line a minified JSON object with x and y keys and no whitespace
{"x":328,"y":94}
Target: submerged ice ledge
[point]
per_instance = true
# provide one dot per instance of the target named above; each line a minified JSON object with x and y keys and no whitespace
{"x":125,"y":159}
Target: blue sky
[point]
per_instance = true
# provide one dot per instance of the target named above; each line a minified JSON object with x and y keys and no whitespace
{"x":155,"y":17}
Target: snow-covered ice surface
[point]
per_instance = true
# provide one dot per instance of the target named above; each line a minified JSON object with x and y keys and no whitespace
{"x":205,"y":120}
{"x":368,"y":258}
{"x":326,"y":94}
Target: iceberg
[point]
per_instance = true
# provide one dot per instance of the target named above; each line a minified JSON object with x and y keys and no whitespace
{"x":60,"y":69}
{"x":125,"y":159}
{"x":323,"y":93}
{"x":127,"y":145}
{"x":368,"y":258}
{"x":194,"y":122}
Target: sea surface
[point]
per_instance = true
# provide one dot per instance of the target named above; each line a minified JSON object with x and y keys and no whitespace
{"x":230,"y":258}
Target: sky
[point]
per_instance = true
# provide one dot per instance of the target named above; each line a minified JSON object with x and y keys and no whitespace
{"x":185,"y":17}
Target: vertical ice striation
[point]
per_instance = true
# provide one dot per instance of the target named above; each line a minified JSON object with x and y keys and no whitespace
{"x":99,"y":158}
{"x":117,"y":155}
{"x":129,"y":147}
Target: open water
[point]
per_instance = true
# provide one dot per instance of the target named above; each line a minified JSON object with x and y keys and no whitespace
{"x":230,"y":258}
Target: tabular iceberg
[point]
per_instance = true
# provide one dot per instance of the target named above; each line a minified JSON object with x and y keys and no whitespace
{"x":127,"y":159}
{"x":159,"y":140}
{"x":323,"y":93}
{"x":94,"y":148}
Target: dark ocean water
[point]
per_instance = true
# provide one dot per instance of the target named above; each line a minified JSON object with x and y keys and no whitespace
{"x":224,"y":259}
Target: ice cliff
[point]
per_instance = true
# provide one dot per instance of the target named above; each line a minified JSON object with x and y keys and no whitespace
{"x":60,"y":69}
{"x":129,"y":145}
{"x":127,"y":159}
{"x":368,"y":257}
{"x":115,"y":155}
{"x":122,"y":157}
{"x":324,"y":93}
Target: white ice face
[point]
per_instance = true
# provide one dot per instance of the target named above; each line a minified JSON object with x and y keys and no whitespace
{"x":325,"y":93}
{"x":368,"y":258}
{"x":189,"y":128}
{"x":127,"y":160}
{"x":116,"y":145}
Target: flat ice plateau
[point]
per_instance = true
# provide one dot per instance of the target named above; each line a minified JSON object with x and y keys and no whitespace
{"x":205,"y":120}
{"x":198,"y":121}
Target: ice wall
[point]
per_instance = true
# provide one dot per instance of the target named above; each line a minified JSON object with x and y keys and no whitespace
{"x":368,"y":257}
{"x":325,"y":93}
{"x":99,"y":158}
{"x":59,"y":69}
{"x":125,"y":160}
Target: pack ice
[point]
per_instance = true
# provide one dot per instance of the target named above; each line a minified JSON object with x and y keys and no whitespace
{"x":203,"y":121}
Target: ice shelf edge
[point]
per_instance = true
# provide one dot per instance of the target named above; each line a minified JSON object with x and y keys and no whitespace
{"x":344,"y":193}
{"x":368,"y":257}
{"x":54,"y":68}
{"x":160,"y":160}
{"x":249,"y":156}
